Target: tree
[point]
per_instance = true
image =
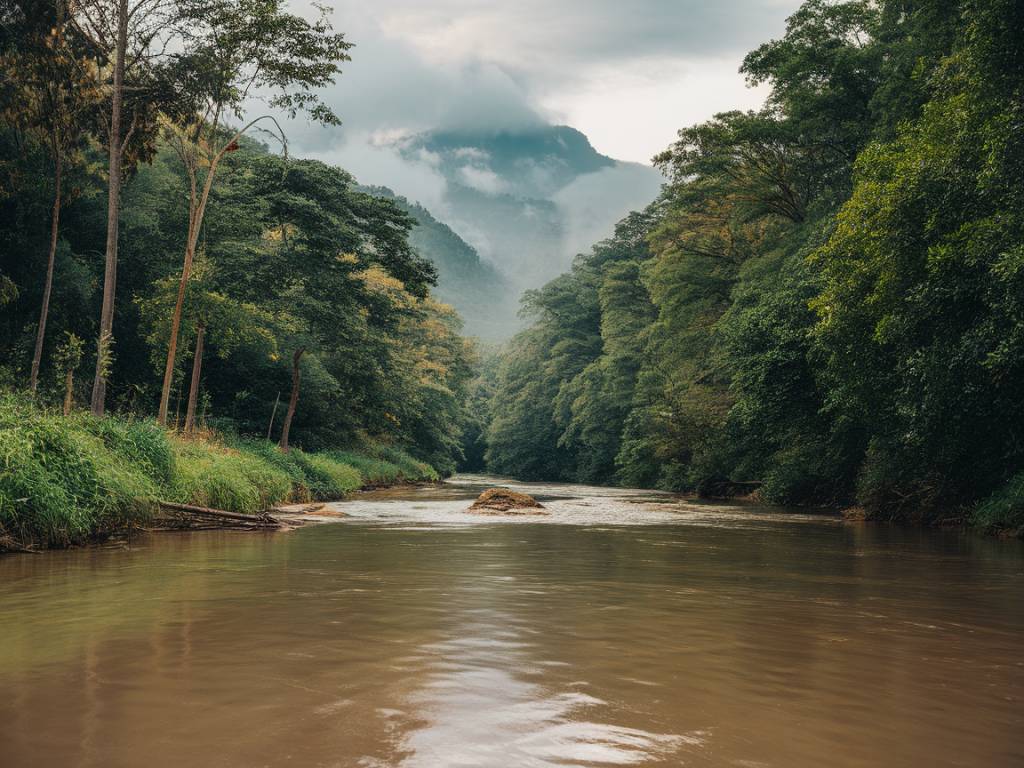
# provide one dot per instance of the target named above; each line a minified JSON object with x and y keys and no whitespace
{"x":238,"y":48}
{"x":215,"y":319}
{"x":126,"y":37}
{"x":69,"y":356}
{"x":54,"y":93}
{"x":920,"y":311}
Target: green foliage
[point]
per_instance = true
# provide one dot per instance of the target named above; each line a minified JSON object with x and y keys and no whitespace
{"x":331,"y":479}
{"x":68,"y":480}
{"x":829,"y":303}
{"x":141,"y":443}
{"x":291,"y":255}
{"x":59,"y":484}
{"x":410,"y":468}
{"x":1003,"y":511}
{"x":210,"y":475}
{"x":69,"y":353}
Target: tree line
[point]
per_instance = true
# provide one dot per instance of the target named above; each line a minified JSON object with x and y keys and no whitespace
{"x":154,"y":227}
{"x":825,"y":304}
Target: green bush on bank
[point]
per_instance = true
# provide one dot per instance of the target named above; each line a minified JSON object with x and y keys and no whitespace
{"x":60,"y":483}
{"x":66,"y":480}
{"x":1004,"y":509}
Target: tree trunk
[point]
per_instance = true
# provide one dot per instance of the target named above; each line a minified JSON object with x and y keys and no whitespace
{"x":177,"y":405}
{"x":58,"y":170}
{"x":273,"y":413}
{"x":99,"y":385}
{"x":69,"y":387}
{"x":197,"y":211}
{"x":172,"y":344}
{"x":193,"y":390}
{"x":293,"y":401}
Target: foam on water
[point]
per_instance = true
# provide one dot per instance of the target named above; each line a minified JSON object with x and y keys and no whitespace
{"x":566,"y":504}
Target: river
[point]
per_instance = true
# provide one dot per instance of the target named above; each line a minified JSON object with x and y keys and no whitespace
{"x":624,"y":628}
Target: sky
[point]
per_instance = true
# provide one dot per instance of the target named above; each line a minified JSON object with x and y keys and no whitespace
{"x":627,"y":73}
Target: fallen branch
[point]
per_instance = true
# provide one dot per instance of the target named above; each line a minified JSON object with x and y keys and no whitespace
{"x":205,"y":515}
{"x":8,"y":544}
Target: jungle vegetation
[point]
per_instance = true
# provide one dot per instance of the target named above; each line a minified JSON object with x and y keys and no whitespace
{"x":164,"y":258}
{"x":182,"y":264}
{"x":826,"y":303}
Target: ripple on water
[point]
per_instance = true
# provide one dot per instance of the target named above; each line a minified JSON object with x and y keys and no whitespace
{"x":598,"y":508}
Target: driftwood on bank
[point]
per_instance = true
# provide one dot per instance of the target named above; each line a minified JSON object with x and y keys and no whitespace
{"x":191,"y":516}
{"x":9,"y":544}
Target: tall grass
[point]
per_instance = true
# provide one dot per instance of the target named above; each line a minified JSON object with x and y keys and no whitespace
{"x":60,"y":483}
{"x":1003,"y":511}
{"x":67,"y":480}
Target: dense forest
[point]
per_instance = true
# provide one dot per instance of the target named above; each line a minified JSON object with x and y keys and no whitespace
{"x":251,"y":286}
{"x":189,"y":314}
{"x":825,"y":304}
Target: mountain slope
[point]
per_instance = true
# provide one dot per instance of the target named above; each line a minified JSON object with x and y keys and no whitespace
{"x":529,"y":200}
{"x":478,"y":291}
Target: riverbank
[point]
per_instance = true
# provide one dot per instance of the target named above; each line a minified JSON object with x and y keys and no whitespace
{"x":1000,"y":515}
{"x":71,"y":480}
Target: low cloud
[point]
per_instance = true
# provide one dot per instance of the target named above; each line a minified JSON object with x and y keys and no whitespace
{"x":628,"y":75}
{"x":595,"y":202}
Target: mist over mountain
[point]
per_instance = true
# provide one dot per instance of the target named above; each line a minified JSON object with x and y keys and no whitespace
{"x":529,"y":199}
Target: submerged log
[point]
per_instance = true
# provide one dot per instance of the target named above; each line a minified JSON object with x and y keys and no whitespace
{"x":507,"y":502}
{"x":188,"y":515}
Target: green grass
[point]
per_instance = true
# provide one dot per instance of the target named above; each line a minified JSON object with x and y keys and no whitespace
{"x":65,"y":481}
{"x":385,"y":465}
{"x":1003,"y":511}
{"x":59,"y":483}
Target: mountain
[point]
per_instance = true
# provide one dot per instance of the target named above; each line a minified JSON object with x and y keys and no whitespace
{"x":479,"y":292}
{"x":529,"y":163}
{"x":528,"y":200}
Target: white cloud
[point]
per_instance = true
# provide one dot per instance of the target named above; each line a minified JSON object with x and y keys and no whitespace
{"x":594,"y":202}
{"x":626,"y":74}
{"x":483,"y":179}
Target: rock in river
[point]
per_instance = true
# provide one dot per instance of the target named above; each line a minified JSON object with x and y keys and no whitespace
{"x":502,"y":501}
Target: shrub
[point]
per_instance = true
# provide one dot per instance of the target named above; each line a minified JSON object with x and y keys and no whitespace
{"x":1004,"y":509}
{"x":330,"y":479}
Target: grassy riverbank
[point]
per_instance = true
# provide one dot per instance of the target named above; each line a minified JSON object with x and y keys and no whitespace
{"x":68,"y":480}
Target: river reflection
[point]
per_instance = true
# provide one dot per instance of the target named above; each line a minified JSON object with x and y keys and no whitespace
{"x":486,"y":703}
{"x":625,"y":628}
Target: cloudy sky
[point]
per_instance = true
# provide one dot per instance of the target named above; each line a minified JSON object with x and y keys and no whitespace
{"x":628,"y":73}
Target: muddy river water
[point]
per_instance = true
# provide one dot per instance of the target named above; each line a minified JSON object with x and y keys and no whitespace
{"x":624,"y":628}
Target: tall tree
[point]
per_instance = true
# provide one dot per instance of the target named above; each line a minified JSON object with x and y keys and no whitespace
{"x":54,"y":91}
{"x":238,"y":49}
{"x":127,"y":36}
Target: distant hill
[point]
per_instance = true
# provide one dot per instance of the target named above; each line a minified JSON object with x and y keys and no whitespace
{"x":528,"y":200}
{"x":481,"y":294}
{"x":531,"y":162}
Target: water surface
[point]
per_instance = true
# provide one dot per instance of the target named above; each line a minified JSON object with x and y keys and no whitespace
{"x":625,"y":628}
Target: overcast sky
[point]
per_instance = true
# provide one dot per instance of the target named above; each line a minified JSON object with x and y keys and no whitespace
{"x":628,"y":73}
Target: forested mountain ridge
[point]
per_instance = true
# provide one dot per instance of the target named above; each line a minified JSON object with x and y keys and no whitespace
{"x":825,"y":303}
{"x":531,"y":161}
